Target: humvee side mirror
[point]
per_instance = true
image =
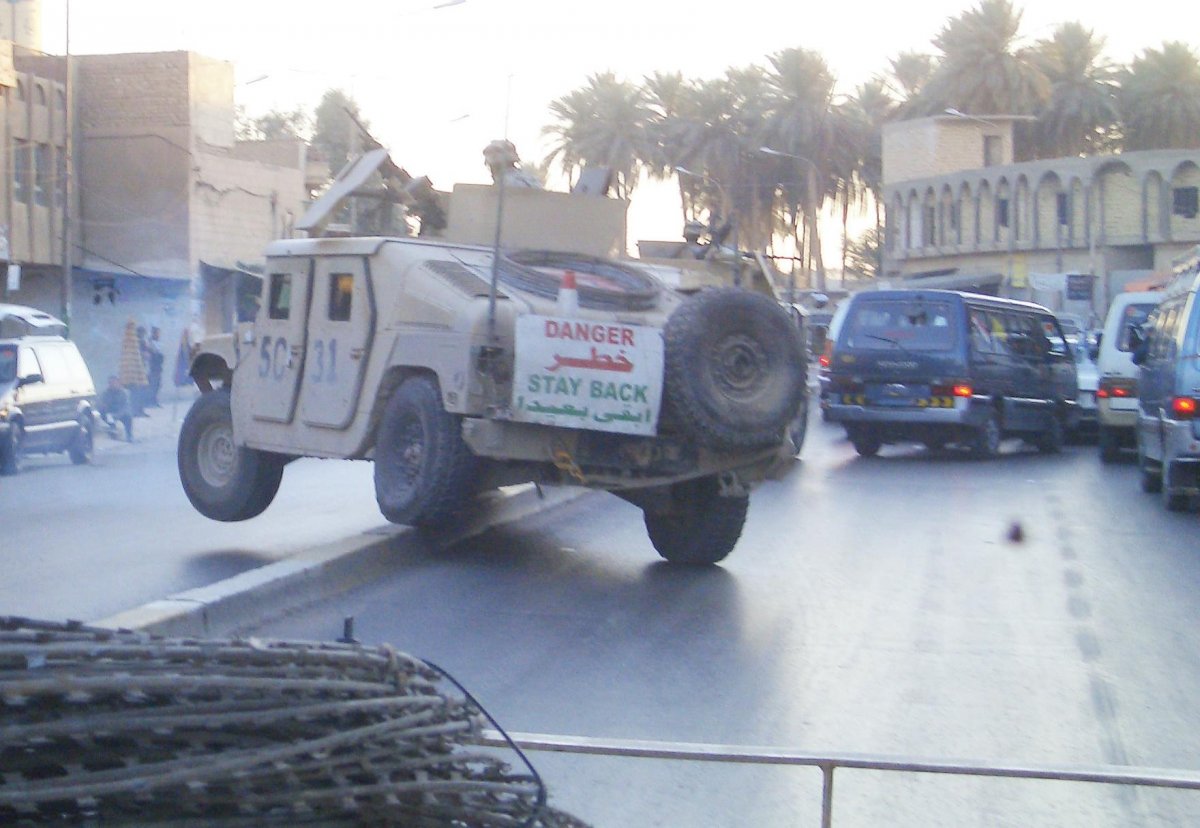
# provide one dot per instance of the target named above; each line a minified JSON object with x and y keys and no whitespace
{"x":1094,"y":348}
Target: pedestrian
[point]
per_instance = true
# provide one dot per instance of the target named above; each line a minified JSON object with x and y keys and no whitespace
{"x":132,"y":369}
{"x":154,"y":366}
{"x":115,"y":407}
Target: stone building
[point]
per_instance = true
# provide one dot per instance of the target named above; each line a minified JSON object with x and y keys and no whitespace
{"x":1067,"y":232}
{"x":171,"y":212}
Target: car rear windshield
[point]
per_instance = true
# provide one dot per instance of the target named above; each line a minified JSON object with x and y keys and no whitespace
{"x":8,"y":363}
{"x":904,"y":324}
{"x":1131,"y":317}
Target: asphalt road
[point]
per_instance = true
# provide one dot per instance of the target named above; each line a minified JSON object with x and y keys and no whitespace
{"x":873,"y":606}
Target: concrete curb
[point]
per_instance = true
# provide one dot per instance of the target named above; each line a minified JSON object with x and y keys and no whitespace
{"x":316,"y":574}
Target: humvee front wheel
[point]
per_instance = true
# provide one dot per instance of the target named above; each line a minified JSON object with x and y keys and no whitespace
{"x":700,"y":525}
{"x":423,"y":469}
{"x":224,"y":481}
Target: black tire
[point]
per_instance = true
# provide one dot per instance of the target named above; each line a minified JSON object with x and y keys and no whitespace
{"x":1051,"y":440}
{"x":867,"y":445}
{"x":223,"y":481}
{"x":82,"y":448}
{"x":735,"y":368}
{"x":424,"y":472}
{"x":1149,"y":477}
{"x":798,"y":430}
{"x":1110,"y":444}
{"x":10,"y":450}
{"x":1174,"y":501}
{"x":985,"y":442}
{"x":701,"y":527}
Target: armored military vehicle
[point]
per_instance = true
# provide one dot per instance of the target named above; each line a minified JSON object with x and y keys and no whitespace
{"x":459,"y":364}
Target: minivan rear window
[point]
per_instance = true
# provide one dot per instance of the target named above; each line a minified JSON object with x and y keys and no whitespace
{"x":1131,"y":317}
{"x":905,"y":324}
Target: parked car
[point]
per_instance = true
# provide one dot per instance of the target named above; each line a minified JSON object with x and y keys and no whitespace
{"x":1167,"y":431}
{"x":46,"y":391}
{"x":1116,"y":391}
{"x":941,"y":367}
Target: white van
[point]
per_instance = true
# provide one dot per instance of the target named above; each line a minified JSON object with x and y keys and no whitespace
{"x":1116,"y":393}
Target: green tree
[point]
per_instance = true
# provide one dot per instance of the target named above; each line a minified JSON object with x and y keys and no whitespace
{"x":862,"y":256}
{"x":603,"y":124}
{"x":1081,"y":115}
{"x":336,"y":137}
{"x":908,"y":73}
{"x":803,"y":125}
{"x":1160,"y":99}
{"x":983,"y":69}
{"x":868,"y":110}
{"x":275,"y":125}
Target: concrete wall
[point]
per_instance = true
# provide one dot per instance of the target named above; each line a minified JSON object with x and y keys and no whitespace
{"x":927,"y":147}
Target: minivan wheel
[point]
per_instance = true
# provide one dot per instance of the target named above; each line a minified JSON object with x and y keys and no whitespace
{"x":10,"y":450}
{"x":1110,"y":444}
{"x":1051,"y":440}
{"x":82,"y":448}
{"x":985,"y":442}
{"x":1175,"y":502}
{"x":700,"y":526}
{"x":867,"y":445}
{"x":222,"y":480}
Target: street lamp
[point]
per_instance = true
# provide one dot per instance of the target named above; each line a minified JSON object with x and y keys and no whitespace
{"x":811,"y":186}
{"x":733,"y":229}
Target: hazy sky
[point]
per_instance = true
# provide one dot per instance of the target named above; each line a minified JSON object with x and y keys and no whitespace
{"x":437,"y":84}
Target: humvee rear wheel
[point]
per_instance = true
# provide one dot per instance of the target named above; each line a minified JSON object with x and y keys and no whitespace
{"x":735,"y":368}
{"x":223,"y":481}
{"x":423,"y":470}
{"x":700,"y":526}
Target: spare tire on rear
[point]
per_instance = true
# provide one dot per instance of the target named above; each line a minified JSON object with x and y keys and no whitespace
{"x":735,"y":368}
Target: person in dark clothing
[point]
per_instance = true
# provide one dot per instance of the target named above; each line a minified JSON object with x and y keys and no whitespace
{"x":115,"y":407}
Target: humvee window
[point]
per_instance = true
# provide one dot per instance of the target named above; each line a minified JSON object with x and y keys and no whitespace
{"x":281,"y":296}
{"x":341,"y":289}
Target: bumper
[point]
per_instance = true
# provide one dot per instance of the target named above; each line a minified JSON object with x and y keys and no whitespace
{"x":1120,"y":413}
{"x":968,"y":413}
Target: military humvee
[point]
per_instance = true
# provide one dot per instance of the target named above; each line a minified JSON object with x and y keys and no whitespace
{"x":458,"y":364}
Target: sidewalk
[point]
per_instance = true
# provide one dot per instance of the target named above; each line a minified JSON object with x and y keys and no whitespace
{"x":163,"y":422}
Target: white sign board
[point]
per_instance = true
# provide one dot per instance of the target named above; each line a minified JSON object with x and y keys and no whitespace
{"x":14,"y":277}
{"x":578,"y":373}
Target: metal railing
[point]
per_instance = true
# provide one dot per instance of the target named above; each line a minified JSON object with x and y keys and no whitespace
{"x":755,"y":755}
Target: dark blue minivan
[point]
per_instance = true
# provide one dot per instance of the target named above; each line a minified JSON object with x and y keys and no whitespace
{"x":939,"y":367}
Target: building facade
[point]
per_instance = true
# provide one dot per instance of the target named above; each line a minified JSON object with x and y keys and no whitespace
{"x":961,"y":213}
{"x":171,"y":212}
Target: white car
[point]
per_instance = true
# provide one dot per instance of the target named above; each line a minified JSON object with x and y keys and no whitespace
{"x":1117,"y":394}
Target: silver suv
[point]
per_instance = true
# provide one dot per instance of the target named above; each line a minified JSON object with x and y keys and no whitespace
{"x":457,"y":369}
{"x":46,"y":391}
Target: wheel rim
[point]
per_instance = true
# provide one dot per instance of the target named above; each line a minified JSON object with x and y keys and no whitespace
{"x":410,"y":452}
{"x":740,"y":365}
{"x":216,"y":455}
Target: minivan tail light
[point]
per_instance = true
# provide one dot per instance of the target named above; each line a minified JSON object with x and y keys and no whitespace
{"x":826,"y":356}
{"x":955,"y":389}
{"x":1183,"y":408}
{"x":1116,"y":387}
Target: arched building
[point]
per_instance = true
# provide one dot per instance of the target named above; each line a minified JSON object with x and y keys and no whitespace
{"x":962,"y":214}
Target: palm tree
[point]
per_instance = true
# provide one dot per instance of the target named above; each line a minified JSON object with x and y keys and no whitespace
{"x":868,"y":110}
{"x":1081,"y":114}
{"x":982,"y":69}
{"x":803,"y":127}
{"x":604,"y":124}
{"x":1160,"y":99}
{"x":909,"y":72}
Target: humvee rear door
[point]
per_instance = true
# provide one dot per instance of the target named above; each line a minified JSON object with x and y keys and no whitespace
{"x":278,"y":357}
{"x":341,"y":324}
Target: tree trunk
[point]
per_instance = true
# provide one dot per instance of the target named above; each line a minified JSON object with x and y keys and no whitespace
{"x":814,"y":235}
